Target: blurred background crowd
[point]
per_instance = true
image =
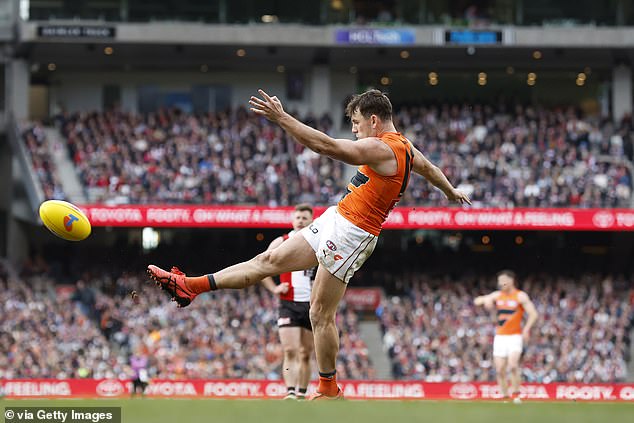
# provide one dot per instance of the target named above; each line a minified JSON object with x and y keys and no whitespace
{"x":431,"y":329}
{"x":502,"y":156}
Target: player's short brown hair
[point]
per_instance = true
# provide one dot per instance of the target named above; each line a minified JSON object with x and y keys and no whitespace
{"x":304,"y":207}
{"x":506,"y":272}
{"x":371,"y":102}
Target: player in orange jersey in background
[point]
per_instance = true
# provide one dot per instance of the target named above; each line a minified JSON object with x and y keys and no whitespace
{"x":341,"y":239}
{"x":510,"y":338}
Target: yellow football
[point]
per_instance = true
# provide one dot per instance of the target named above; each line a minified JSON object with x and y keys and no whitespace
{"x":65,"y":220}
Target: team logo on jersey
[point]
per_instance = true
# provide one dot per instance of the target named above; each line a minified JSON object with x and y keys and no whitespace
{"x":331,"y":245}
{"x":68,"y":222}
{"x":337,"y":257}
{"x":507,"y":303}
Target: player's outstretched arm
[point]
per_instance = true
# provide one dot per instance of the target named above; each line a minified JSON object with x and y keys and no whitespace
{"x":486,"y":300}
{"x":531,"y":312}
{"x":368,"y":151}
{"x":433,"y":174}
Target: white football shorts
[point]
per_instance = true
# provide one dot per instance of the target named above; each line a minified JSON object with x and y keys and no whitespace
{"x":504,"y":345}
{"x":340,"y":246}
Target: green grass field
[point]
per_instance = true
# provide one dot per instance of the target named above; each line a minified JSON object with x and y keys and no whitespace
{"x":276,"y":411}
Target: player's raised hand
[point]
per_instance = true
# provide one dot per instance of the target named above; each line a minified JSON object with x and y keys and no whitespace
{"x":268,"y":106}
{"x":458,"y":196}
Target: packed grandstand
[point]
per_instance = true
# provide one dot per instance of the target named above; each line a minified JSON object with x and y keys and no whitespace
{"x":431,"y":330}
{"x":502,"y":156}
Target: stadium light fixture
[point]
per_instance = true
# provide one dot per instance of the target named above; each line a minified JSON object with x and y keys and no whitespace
{"x":269,"y":18}
{"x":336,"y":5}
{"x":150,"y":238}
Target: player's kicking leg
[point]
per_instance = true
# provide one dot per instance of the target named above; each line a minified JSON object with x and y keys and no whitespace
{"x":293,"y":254}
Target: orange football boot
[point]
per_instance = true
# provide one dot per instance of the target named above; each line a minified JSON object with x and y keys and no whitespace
{"x":174,"y":283}
{"x":319,"y":396}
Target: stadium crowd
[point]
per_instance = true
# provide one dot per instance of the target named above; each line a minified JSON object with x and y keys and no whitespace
{"x":42,"y":161}
{"x":46,"y":336}
{"x":433,"y":332}
{"x":521,"y":157}
{"x":503,"y":157}
{"x":215,"y":158}
{"x":227,"y":334}
{"x":95,"y":328}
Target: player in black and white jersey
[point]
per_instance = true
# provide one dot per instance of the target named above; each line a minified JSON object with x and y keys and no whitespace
{"x":294,"y":320}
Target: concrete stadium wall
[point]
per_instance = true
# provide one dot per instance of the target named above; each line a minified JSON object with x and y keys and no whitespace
{"x":81,"y":91}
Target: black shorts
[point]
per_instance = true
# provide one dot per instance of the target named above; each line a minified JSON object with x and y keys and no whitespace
{"x":138,"y":383}
{"x":294,"y":314}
